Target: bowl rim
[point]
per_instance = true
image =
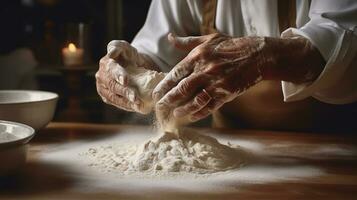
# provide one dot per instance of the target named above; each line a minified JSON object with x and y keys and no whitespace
{"x":20,"y":141}
{"x":55,"y":96}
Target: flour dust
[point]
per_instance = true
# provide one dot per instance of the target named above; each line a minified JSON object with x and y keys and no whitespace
{"x":187,"y":152}
{"x":98,"y":164}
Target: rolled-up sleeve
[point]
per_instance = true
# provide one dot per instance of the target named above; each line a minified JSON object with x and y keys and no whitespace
{"x":333,"y":31}
{"x":165,"y":16}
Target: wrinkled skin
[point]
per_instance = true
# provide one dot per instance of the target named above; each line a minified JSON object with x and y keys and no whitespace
{"x":112,"y":80}
{"x":218,"y":68}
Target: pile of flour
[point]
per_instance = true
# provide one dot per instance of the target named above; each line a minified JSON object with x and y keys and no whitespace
{"x":184,"y":152}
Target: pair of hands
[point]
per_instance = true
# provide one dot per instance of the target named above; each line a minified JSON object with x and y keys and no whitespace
{"x":216,"y":70}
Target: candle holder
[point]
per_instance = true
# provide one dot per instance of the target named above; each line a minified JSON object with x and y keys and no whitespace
{"x":72,"y":55}
{"x":75,"y":59}
{"x":76,"y":48}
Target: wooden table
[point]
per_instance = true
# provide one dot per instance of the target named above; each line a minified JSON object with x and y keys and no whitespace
{"x":40,"y":180}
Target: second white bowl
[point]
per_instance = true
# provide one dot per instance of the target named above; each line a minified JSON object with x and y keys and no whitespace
{"x":33,"y":108}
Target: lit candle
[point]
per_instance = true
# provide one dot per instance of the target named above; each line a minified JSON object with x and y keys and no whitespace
{"x":72,"y":55}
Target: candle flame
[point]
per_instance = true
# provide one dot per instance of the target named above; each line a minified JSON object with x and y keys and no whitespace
{"x":72,"y":47}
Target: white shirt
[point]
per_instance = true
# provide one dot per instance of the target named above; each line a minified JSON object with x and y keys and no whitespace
{"x":331,"y":25}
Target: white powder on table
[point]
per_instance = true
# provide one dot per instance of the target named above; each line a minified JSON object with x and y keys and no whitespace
{"x":264,"y":165}
{"x":187,"y":152}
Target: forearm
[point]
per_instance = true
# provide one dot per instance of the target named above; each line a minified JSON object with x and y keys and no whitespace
{"x":291,"y":59}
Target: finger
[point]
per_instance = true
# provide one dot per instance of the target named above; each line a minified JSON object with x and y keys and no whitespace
{"x":118,"y":89}
{"x":186,"y":43}
{"x":103,"y":62}
{"x":185,"y":90}
{"x":112,"y":69}
{"x":195,"y":105}
{"x":162,"y":110}
{"x":219,"y":97}
{"x":115,"y":100}
{"x":212,"y":106}
{"x":117,"y":72}
{"x":122,"y":52}
{"x":180,"y":71}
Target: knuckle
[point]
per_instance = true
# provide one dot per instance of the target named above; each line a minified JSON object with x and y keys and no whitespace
{"x":212,"y":68}
{"x":112,"y":97}
{"x":183,"y":88}
{"x":112,"y":85}
{"x":97,"y":75}
{"x":201,"y":52}
{"x":201,"y":100}
{"x":175,"y":74}
{"x":178,"y":73}
{"x":103,"y":61}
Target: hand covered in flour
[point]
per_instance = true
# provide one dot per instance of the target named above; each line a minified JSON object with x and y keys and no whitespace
{"x":112,"y":78}
{"x":218,"y":68}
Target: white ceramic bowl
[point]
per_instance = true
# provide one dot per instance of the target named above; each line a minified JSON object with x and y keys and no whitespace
{"x":34,"y":108}
{"x":13,"y":145}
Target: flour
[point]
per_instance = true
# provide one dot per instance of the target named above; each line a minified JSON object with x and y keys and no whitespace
{"x":184,"y":152}
{"x":7,"y":137}
{"x":90,"y":163}
{"x":144,"y":81}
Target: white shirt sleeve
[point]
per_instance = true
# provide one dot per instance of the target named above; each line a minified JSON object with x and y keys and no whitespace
{"x":166,"y":16}
{"x":333,"y":31}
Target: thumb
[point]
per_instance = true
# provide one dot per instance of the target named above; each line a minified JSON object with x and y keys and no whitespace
{"x":121,"y":51}
{"x":186,"y":43}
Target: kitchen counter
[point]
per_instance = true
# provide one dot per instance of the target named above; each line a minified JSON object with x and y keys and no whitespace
{"x":333,"y":156}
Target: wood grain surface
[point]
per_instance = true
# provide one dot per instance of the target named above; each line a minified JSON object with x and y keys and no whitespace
{"x":40,"y":180}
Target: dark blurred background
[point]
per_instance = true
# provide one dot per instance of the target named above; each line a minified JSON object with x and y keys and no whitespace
{"x":33,"y":34}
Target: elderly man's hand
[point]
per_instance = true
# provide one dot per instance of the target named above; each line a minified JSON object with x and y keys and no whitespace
{"x":219,"y":68}
{"x":112,"y":80}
